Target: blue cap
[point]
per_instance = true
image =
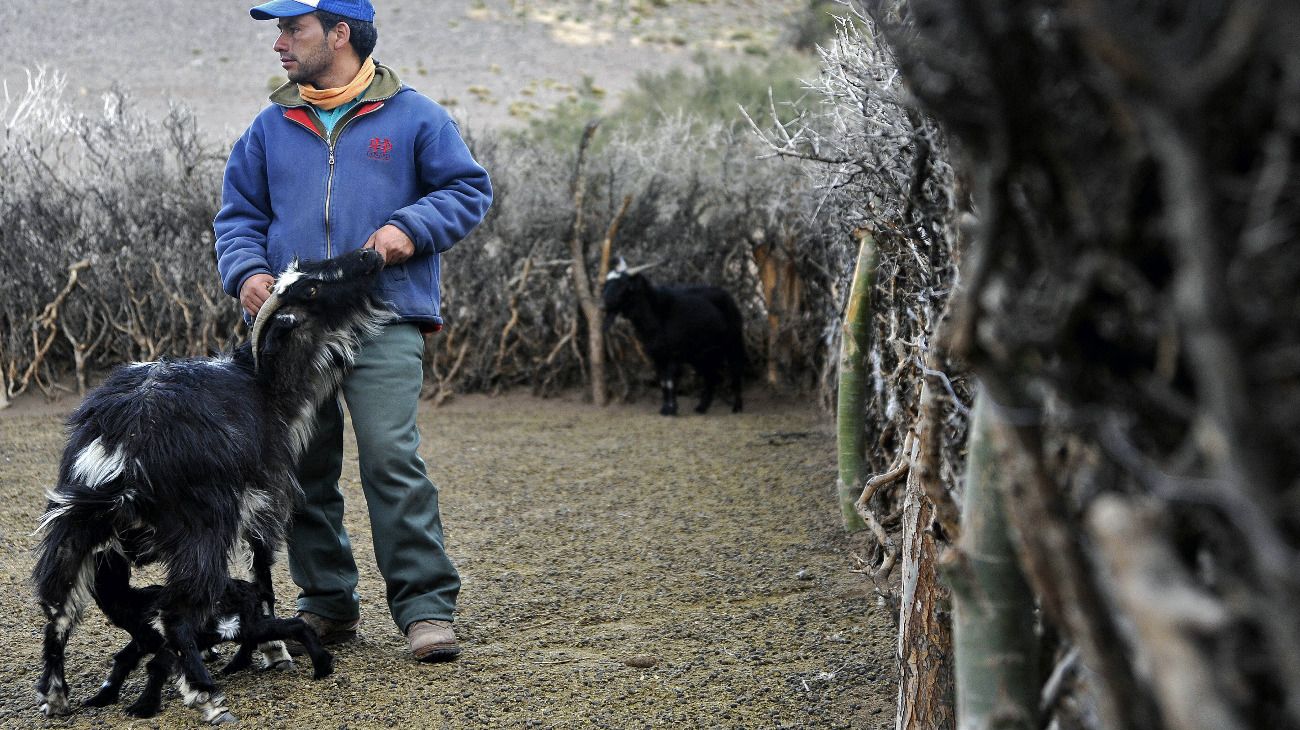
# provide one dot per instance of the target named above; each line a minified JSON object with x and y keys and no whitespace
{"x":355,"y":9}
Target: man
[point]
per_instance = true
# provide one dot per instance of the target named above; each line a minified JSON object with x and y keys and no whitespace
{"x":347,"y":156}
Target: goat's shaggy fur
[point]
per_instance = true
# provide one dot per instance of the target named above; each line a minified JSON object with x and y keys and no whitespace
{"x":696,"y":325}
{"x":179,"y":461}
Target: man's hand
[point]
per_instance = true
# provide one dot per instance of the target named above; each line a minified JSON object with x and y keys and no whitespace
{"x":255,"y":291}
{"x":395,"y":246}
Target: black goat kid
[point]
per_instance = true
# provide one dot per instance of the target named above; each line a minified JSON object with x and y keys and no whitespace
{"x":695,"y":325}
{"x":238,"y":617}
{"x":179,"y":461}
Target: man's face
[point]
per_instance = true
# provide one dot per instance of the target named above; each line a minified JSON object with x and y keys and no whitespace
{"x":304,"y":48}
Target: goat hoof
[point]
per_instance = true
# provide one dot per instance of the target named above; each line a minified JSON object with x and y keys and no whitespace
{"x":324,"y":669}
{"x":225,"y":718}
{"x":143,"y":710}
{"x":103,"y":698}
{"x":284,"y":665}
{"x":55,"y":705}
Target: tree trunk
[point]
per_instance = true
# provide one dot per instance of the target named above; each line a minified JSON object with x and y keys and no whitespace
{"x":853,"y":385}
{"x":996,"y":648}
{"x":925,"y":630}
{"x":591,"y":310}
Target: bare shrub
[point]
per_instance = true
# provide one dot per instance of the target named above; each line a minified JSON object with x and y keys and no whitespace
{"x":883,"y":175}
{"x":107,"y":251}
{"x":701,"y":201}
{"x":133,"y":199}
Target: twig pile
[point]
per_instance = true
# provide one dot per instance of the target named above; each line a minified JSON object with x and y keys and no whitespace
{"x":1131,"y":302}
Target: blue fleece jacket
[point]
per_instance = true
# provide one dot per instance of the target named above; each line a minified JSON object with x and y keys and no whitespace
{"x":293,"y":191}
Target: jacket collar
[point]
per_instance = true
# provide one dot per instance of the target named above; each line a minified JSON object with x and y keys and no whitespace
{"x":385,"y":85}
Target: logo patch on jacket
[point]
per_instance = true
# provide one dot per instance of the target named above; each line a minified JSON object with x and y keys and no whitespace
{"x":380,"y":149}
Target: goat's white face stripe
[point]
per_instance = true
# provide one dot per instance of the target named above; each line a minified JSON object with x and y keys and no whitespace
{"x":95,"y":465}
{"x":614,"y":275}
{"x":287,"y":279}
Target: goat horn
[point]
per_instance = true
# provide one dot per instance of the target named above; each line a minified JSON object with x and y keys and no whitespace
{"x":639,"y":269}
{"x":263,"y":316}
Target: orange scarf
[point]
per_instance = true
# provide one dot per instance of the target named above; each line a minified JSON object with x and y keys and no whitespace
{"x":328,"y":99}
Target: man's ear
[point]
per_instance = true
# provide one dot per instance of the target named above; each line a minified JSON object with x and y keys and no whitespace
{"x":344,"y":35}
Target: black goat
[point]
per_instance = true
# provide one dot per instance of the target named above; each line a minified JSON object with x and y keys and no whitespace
{"x":696,"y":325}
{"x":179,"y":461}
{"x":238,"y":617}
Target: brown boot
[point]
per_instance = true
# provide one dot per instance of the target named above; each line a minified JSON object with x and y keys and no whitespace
{"x":329,"y":631}
{"x":432,"y":641}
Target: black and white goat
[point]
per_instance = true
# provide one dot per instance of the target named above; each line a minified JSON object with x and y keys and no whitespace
{"x":695,"y":325}
{"x":178,"y":461}
{"x":238,"y":617}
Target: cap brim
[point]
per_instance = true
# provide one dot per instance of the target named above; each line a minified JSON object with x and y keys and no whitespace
{"x":280,"y":9}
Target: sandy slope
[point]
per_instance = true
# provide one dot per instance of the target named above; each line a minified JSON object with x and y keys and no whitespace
{"x":484,"y":58}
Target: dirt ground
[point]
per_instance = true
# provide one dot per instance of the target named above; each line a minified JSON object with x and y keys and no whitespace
{"x":585,"y":537}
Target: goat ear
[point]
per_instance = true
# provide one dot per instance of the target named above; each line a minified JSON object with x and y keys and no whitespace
{"x":276,"y":333}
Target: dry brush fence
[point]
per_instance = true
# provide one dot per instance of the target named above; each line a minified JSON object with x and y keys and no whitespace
{"x":106,"y":250}
{"x":1129,"y":299}
{"x":106,"y":242}
{"x":1131,"y":303}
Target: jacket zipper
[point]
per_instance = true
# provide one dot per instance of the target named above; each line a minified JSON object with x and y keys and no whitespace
{"x":329,"y":184}
{"x":329,"y":193}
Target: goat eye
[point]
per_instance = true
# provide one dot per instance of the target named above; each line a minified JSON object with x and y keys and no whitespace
{"x":311,"y":292}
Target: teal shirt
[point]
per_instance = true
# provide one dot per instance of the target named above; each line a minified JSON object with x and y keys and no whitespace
{"x":330,"y":118}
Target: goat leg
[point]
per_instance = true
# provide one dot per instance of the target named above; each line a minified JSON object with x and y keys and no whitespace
{"x":158,"y":670}
{"x":668,"y":373}
{"x":127,"y":608}
{"x":63,"y":578}
{"x":322,"y":661}
{"x":737,"y":367}
{"x":124,"y":662}
{"x":711,"y":379}
{"x":243,"y":659}
{"x":193,"y":681}
{"x":275,"y":653}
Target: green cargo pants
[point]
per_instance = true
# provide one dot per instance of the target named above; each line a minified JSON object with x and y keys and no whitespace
{"x":382,"y":393}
